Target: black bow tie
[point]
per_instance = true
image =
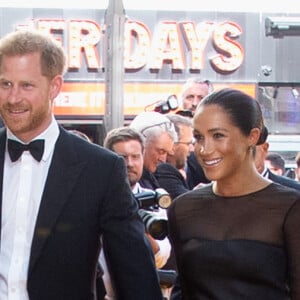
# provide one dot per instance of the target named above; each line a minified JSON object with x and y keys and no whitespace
{"x":15,"y":149}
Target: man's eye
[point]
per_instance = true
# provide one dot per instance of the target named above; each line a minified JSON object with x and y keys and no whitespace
{"x":190,"y":97}
{"x":5,"y":84}
{"x":161,"y":151}
{"x":27,"y":85}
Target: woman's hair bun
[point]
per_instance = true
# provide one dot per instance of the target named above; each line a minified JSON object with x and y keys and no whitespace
{"x":263,"y":135}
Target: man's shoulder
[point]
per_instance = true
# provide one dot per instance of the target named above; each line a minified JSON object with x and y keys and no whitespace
{"x":166,"y":168}
{"x":73,"y":143}
{"x":284,"y":181}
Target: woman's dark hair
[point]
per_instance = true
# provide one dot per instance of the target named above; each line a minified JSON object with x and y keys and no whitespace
{"x":243,"y":110}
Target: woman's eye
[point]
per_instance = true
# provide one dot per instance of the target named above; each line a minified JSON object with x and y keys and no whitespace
{"x":198,"y":137}
{"x":218,"y":135}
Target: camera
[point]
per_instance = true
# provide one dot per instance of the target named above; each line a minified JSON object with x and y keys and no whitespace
{"x":150,"y":198}
{"x":149,"y":201}
{"x":164,"y":106}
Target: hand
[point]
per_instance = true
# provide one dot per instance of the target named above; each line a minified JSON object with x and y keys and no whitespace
{"x":153,"y":243}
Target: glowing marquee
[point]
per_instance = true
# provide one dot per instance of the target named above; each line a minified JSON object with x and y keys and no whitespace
{"x":142,"y":50}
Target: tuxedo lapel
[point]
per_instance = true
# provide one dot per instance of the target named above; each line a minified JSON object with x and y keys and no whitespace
{"x":62,"y":176}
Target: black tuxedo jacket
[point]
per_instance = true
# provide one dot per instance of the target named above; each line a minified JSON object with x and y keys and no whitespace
{"x":85,"y":197}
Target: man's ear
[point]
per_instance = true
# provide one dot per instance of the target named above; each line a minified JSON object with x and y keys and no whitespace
{"x":55,"y":86}
{"x":265,"y":146}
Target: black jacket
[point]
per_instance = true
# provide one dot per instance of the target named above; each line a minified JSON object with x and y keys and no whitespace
{"x":171,"y":180}
{"x":87,"y":197}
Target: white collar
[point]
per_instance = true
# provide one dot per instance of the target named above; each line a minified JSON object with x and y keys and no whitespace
{"x":50,"y":136}
{"x":265,"y":173}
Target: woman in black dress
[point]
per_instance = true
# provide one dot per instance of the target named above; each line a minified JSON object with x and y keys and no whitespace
{"x":238,"y":237}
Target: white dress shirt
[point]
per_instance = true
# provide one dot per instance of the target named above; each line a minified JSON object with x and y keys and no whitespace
{"x":23,"y":185}
{"x":265,"y":173}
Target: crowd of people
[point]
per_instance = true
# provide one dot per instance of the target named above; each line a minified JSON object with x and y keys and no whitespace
{"x":72,"y":228}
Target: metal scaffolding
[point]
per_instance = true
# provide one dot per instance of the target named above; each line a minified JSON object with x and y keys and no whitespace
{"x":114,"y":64}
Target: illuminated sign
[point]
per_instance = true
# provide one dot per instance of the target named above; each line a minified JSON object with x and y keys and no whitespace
{"x":88,"y":99}
{"x":142,"y":50}
{"x":181,"y":46}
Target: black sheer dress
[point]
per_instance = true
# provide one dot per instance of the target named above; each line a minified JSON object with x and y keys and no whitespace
{"x":245,"y":247}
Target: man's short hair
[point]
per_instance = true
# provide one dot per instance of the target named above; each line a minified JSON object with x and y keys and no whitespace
{"x":189,"y":82}
{"x":276,"y":160}
{"x":178,"y":120}
{"x":151,"y":124}
{"x":122,"y":134}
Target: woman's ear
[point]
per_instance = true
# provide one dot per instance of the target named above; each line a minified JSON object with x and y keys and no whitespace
{"x":254,"y":136}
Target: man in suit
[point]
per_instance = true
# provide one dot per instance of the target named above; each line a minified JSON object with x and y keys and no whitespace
{"x":193,"y":91}
{"x":57,"y":204}
{"x":159,"y":135}
{"x":275,"y":163}
{"x":260,"y":154}
{"x":171,"y":175}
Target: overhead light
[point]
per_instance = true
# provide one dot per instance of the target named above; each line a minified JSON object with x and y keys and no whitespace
{"x":295,"y":93}
{"x":266,"y":70}
{"x":282,"y":26}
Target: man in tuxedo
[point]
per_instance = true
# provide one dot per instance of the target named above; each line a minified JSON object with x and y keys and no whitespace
{"x":57,"y":204}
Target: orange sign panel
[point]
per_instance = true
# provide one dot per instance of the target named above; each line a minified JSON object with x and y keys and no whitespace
{"x":88,"y":99}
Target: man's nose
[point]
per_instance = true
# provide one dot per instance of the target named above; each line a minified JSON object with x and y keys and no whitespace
{"x":14,"y":95}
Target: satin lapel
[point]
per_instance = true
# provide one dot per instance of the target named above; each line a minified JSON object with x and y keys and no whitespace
{"x":63,"y":173}
{"x":2,"y":154}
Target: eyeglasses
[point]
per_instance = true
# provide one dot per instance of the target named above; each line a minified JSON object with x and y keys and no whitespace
{"x":192,"y":142}
{"x":163,"y":125}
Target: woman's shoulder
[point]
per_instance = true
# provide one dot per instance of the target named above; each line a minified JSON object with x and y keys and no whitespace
{"x":282,"y":190}
{"x":200,"y":193}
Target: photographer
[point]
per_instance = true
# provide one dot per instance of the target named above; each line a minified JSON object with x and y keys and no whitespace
{"x":160,"y":136}
{"x":129,"y":144}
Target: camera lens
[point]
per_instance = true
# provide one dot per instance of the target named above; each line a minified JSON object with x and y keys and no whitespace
{"x":156,"y":227}
{"x":163,"y":198}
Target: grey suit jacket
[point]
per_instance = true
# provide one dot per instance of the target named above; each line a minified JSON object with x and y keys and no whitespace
{"x":85,"y":197}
